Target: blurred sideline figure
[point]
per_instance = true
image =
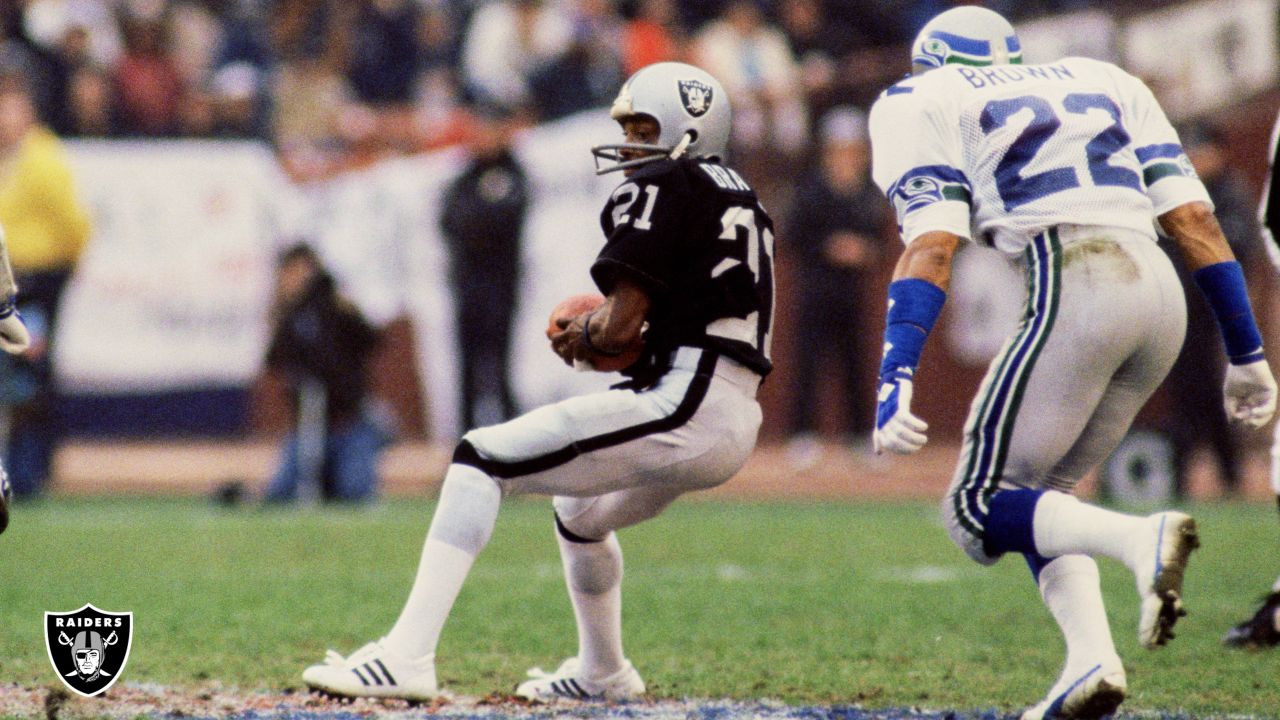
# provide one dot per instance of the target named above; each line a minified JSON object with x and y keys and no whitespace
{"x":47,"y":229}
{"x":837,"y":225}
{"x":688,"y":253}
{"x":14,"y":339}
{"x":1063,"y":167}
{"x":1196,"y":416}
{"x":1263,"y":629}
{"x":482,"y":218}
{"x":322,"y":344}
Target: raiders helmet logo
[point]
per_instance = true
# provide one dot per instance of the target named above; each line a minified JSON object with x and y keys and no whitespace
{"x":696,"y":96}
{"x":88,"y":647}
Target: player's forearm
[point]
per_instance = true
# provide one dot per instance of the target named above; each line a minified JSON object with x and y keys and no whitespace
{"x":617,"y":324}
{"x":928,"y":258}
{"x":1197,"y":235}
{"x":1213,"y":266}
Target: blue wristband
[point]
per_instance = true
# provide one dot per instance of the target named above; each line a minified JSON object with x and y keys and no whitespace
{"x":914,"y":306}
{"x":1223,"y":286}
{"x":8,"y":306}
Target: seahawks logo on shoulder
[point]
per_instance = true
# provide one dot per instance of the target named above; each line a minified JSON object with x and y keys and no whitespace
{"x":696,"y":96}
{"x":916,"y":193}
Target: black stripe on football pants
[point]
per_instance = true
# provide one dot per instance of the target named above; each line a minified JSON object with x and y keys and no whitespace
{"x":466,"y":454}
{"x":1271,"y":211}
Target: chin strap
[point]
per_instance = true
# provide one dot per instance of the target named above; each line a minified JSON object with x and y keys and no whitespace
{"x":681,"y":146}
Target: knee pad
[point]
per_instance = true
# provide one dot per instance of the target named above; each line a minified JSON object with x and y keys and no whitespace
{"x":468,"y":507}
{"x":571,"y":536}
{"x":570,"y":521}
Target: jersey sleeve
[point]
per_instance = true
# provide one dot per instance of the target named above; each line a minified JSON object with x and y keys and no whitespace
{"x":644,"y":221}
{"x":1166,"y":171}
{"x":916,"y":160}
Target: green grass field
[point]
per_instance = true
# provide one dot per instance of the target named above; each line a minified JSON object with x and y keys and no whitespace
{"x":865,"y":603}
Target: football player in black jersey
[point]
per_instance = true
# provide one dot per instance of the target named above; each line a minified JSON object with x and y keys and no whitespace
{"x":686,"y":269}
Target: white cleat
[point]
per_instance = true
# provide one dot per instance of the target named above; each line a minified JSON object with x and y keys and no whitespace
{"x":1160,"y":570}
{"x":1094,"y":694}
{"x":375,"y":672}
{"x":568,"y":683}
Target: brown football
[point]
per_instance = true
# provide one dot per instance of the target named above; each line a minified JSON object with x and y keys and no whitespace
{"x":576,"y":305}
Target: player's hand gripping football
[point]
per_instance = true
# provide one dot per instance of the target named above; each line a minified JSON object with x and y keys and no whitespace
{"x":1249,"y":393}
{"x":897,"y":430}
{"x":14,"y":337}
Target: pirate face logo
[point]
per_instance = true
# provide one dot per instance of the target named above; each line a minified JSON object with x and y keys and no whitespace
{"x":696,"y":96}
{"x":88,"y":648}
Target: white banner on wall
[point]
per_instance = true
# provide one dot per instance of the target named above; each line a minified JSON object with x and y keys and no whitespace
{"x":171,"y":293}
{"x":174,"y":288}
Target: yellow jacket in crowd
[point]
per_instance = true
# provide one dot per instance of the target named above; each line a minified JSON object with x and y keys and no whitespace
{"x":44,"y":224}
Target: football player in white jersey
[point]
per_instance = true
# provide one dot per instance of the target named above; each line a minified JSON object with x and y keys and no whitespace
{"x":687,"y":268}
{"x":1066,"y":167}
{"x":1263,"y":629}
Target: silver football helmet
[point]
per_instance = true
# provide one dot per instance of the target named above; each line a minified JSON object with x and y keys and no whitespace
{"x":966,"y":35}
{"x":690,"y":107}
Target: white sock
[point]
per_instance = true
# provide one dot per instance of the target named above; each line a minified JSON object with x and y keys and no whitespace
{"x":593,"y":572}
{"x":1065,"y":526}
{"x":463,"y":522}
{"x":1073,"y":594}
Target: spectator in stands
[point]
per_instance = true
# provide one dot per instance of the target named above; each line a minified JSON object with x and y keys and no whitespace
{"x":587,"y":73}
{"x":754,"y":62}
{"x":652,"y":35}
{"x":148,"y":85}
{"x":322,"y":345}
{"x":90,"y":110}
{"x":818,"y":44}
{"x":837,"y":228}
{"x":482,"y":219}
{"x":384,"y":51}
{"x":237,"y":103}
{"x":46,"y":228}
{"x":505,"y":41}
{"x":438,"y":115}
{"x":1196,"y":417}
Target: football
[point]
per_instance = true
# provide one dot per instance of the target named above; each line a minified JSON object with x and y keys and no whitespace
{"x":576,"y":305}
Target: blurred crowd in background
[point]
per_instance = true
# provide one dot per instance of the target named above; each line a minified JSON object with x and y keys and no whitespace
{"x":334,"y":82}
{"x":332,"y":85}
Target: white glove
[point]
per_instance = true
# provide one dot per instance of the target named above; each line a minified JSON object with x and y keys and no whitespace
{"x":1249,"y":393}
{"x":897,"y":429}
{"x":14,"y":337}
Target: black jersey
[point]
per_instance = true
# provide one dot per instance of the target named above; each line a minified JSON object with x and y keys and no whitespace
{"x":694,"y":235}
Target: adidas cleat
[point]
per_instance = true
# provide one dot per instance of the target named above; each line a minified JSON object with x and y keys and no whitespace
{"x":375,"y":672}
{"x":1260,"y":631}
{"x":568,"y":683}
{"x":1159,"y":571}
{"x":1095,"y":694}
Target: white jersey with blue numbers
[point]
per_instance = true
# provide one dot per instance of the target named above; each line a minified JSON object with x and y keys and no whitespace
{"x":1000,"y":154}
